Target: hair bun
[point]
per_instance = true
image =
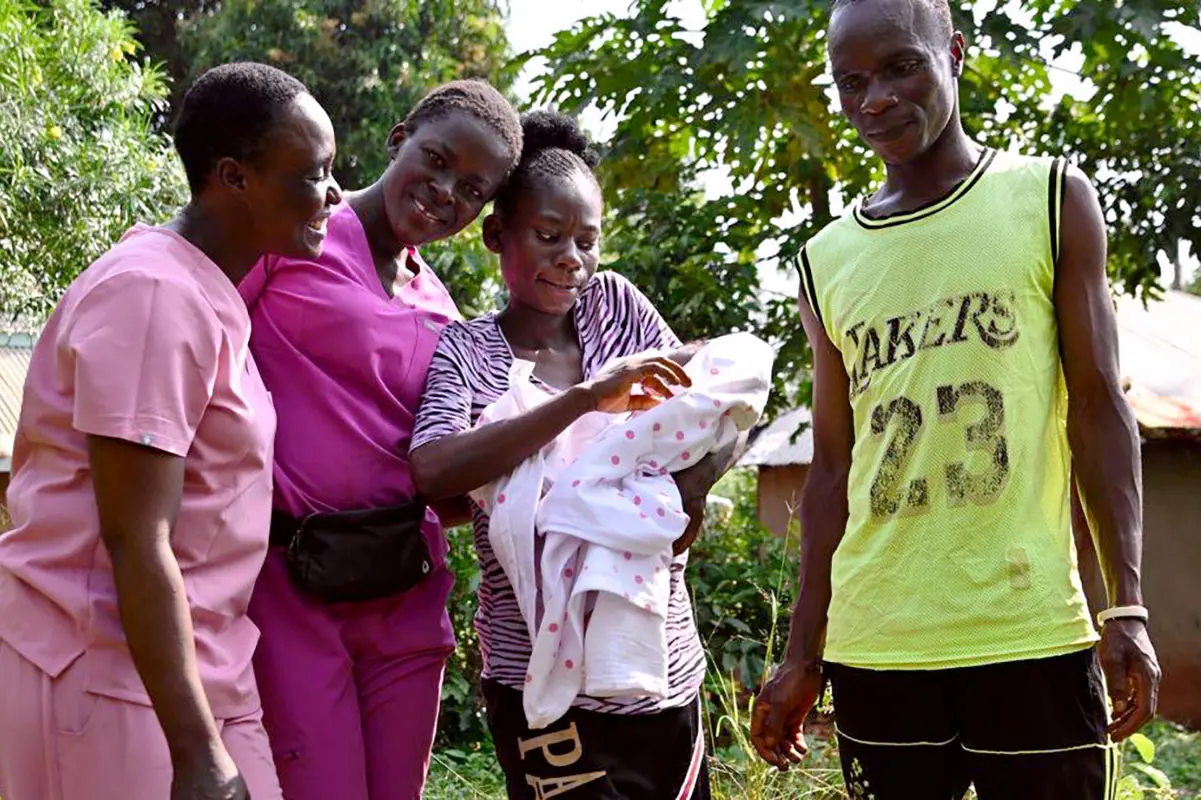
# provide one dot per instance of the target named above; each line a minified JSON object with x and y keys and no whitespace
{"x":545,"y":129}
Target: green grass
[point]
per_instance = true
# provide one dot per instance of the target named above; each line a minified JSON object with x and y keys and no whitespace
{"x":1179,"y":755}
{"x":1174,"y":768}
{"x":464,"y":775}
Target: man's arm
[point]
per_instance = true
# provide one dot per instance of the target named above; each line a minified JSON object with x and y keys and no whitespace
{"x":780,"y":708}
{"x":1104,"y":441}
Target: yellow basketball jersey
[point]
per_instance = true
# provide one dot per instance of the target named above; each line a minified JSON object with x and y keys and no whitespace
{"x":958,"y":549}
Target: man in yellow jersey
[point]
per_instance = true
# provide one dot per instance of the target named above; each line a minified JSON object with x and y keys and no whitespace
{"x":965,"y":359}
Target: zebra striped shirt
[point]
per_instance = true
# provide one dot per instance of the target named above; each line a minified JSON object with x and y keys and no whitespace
{"x":469,"y":371}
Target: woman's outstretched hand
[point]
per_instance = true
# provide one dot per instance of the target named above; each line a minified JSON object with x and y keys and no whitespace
{"x":612,"y":390}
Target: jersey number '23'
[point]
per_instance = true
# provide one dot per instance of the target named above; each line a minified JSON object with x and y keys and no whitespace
{"x":891,"y":496}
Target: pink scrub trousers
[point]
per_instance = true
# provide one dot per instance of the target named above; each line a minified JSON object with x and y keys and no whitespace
{"x":350,"y":690}
{"x":59,"y":741}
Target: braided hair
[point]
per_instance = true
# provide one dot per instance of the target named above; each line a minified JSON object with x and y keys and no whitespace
{"x":553,"y":146}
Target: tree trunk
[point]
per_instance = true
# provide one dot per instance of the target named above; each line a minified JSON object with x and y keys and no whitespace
{"x":819,"y":195}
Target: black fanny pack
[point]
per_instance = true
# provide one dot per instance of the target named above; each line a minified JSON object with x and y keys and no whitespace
{"x":346,"y":556}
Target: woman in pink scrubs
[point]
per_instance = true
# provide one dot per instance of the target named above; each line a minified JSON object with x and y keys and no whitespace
{"x":141,"y":484}
{"x":351,"y":688}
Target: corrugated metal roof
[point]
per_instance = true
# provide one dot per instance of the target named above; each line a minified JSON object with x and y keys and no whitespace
{"x":1164,"y":418}
{"x":780,"y":444}
{"x":15,"y":350}
{"x":1160,"y":352}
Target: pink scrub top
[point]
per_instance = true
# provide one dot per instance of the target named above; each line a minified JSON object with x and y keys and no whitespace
{"x":148,"y":345}
{"x":346,"y":366}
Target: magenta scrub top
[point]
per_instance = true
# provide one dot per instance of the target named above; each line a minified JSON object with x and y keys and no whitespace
{"x":345,"y":364}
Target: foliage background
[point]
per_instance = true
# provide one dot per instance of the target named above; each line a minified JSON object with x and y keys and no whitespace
{"x":367,"y":61}
{"x":81,"y":159}
{"x":746,"y":97}
{"x":85,"y":108}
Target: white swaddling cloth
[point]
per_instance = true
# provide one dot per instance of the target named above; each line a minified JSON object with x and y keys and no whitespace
{"x":602,"y":498}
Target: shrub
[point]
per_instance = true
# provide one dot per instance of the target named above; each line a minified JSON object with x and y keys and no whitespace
{"x":81,"y":161}
{"x":461,"y":719}
{"x":743,"y":579}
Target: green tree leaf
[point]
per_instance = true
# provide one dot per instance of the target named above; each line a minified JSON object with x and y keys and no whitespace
{"x":367,"y":61}
{"x":82,"y":160}
{"x":1144,"y":746}
{"x":747,"y":97}
{"x":1157,"y":776}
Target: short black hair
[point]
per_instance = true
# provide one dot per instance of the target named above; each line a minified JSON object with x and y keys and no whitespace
{"x":478,"y":98}
{"x":940,"y":9}
{"x":228,"y":113}
{"x":555,"y":147}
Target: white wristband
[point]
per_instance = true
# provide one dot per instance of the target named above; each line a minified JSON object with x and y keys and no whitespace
{"x":1122,"y":612}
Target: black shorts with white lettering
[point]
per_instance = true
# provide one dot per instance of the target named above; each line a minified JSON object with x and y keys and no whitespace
{"x":587,"y":755}
{"x":1028,"y":730}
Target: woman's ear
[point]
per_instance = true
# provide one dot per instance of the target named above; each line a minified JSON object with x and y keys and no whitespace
{"x":230,"y":173}
{"x":493,"y":229}
{"x":395,"y":139}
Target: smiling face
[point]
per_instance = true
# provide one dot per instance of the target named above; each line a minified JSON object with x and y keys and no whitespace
{"x":441,"y":175}
{"x":549,"y":243}
{"x":288,"y":191}
{"x":896,"y":71}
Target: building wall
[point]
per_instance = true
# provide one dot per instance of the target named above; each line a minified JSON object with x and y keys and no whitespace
{"x":779,"y":495}
{"x":1171,"y":571}
{"x":1171,"y":561}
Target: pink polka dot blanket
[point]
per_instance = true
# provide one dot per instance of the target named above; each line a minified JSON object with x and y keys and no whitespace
{"x":584,"y":529}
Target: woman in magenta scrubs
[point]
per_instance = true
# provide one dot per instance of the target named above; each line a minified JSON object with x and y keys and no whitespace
{"x":351,"y":689}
